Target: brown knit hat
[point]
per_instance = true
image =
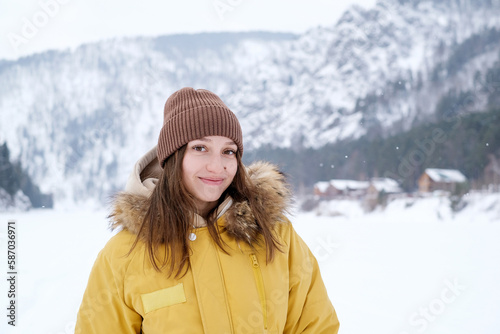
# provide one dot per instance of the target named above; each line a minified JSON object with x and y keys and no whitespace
{"x":191,"y":114}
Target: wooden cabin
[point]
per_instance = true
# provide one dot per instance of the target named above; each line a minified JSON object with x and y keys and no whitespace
{"x":440,"y":179}
{"x":340,"y":188}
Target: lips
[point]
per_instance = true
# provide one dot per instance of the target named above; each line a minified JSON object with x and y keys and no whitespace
{"x":212,"y":181}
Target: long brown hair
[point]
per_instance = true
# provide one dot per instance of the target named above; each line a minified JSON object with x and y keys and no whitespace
{"x":170,"y":216}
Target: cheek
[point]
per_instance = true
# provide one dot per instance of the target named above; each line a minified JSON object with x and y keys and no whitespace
{"x":232,"y":168}
{"x":186,"y":171}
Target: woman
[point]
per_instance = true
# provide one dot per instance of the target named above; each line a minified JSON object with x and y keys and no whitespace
{"x":204,"y":245}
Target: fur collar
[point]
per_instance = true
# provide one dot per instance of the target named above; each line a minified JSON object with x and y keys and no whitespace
{"x":271,"y":190}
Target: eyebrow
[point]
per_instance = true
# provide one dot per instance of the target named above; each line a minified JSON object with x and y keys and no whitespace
{"x":209,"y":140}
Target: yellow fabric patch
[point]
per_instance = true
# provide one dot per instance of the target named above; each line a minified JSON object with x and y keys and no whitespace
{"x":164,"y":297}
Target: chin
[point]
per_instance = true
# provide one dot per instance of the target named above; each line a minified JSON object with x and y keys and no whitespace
{"x":210,"y":195}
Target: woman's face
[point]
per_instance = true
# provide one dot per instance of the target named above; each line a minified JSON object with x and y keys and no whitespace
{"x":208,"y":168}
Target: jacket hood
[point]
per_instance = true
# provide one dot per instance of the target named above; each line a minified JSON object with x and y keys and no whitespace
{"x":269,"y":184}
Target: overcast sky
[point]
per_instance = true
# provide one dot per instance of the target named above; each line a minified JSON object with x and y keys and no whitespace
{"x":30,"y":26}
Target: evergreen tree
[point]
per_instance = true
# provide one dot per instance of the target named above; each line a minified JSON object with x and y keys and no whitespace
{"x":13,"y":179}
{"x":9,"y":179}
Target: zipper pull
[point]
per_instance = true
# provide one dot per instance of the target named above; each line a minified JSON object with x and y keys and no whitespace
{"x":255,"y":263}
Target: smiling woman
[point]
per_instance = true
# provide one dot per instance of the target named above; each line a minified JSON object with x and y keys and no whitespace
{"x":204,"y":245}
{"x":208,"y":168}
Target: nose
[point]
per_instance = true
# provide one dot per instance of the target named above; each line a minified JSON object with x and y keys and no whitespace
{"x":215,"y":164}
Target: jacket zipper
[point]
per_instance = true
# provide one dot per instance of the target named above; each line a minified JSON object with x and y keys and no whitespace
{"x":260,"y":287}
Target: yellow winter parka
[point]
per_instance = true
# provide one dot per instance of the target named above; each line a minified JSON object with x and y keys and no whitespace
{"x":221,"y":293}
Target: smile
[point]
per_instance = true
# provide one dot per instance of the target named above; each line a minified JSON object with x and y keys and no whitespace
{"x":212,"y":182}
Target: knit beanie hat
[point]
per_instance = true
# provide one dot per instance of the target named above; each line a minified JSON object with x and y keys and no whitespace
{"x":191,"y":114}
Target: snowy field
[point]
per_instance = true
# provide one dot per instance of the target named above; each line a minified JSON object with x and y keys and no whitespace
{"x":413,"y":268}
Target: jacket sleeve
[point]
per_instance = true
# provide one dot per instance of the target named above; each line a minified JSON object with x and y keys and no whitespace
{"x":103,"y":309}
{"x":309,"y":308}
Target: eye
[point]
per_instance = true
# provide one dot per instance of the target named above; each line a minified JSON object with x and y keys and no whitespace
{"x":199,"y":148}
{"x":230,"y":152}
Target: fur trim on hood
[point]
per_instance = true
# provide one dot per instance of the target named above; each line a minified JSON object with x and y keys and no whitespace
{"x":271,"y":190}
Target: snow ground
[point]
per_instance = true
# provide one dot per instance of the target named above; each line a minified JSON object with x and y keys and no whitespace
{"x":409,"y":269}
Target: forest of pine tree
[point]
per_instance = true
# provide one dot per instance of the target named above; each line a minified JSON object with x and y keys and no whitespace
{"x":13,"y":178}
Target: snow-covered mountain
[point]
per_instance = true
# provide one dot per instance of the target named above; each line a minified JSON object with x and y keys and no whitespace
{"x":79,"y":119}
